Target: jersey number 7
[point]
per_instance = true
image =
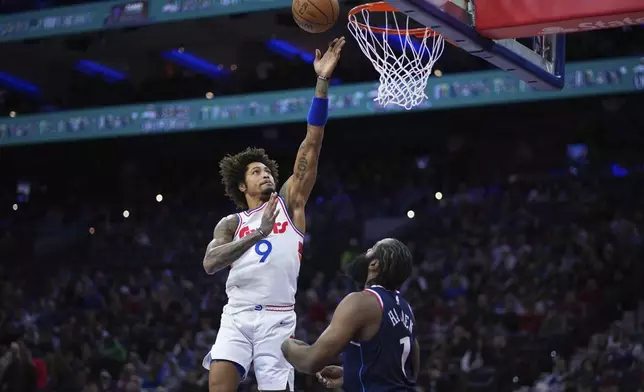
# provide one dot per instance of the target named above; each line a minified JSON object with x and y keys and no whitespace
{"x":406,"y":343}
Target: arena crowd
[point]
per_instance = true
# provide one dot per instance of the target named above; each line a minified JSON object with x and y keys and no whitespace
{"x":522,"y":282}
{"x":528,"y":268}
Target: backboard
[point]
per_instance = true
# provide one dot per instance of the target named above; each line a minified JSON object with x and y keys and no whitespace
{"x":489,"y":29}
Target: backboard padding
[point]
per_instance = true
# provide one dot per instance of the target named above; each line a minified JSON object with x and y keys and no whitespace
{"x":498,"y":19}
{"x":448,"y":21}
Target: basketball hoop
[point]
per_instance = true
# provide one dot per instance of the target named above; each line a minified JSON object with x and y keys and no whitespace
{"x":404,"y":71}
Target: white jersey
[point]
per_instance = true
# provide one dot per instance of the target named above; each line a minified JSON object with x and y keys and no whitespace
{"x":267,"y":273}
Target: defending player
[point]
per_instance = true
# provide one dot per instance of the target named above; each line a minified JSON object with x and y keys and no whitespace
{"x":263,"y":246}
{"x":375,"y":327}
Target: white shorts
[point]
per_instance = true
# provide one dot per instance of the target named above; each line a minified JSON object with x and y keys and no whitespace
{"x":255,"y":335}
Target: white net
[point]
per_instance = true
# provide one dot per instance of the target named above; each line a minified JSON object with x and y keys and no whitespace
{"x":404,"y":64}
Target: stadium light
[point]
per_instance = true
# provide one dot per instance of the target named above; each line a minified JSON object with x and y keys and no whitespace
{"x":289,"y":51}
{"x":194,"y":63}
{"x":16,"y":84}
{"x":93,"y":68}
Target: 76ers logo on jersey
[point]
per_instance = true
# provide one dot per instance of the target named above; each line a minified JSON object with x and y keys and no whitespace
{"x":278,"y":228}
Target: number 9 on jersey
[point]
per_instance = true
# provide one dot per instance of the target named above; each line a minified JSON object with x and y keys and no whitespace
{"x":263,"y":248}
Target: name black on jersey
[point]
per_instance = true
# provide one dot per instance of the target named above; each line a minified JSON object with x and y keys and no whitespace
{"x":383,"y":363}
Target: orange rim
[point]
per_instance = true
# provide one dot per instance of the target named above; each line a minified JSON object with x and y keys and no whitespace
{"x":382,"y":6}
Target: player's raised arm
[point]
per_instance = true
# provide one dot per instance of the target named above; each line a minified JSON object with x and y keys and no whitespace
{"x":356,"y":311}
{"x":222,"y":251}
{"x":298,"y":187}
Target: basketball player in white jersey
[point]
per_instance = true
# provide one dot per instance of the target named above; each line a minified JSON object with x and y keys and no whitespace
{"x":262,"y":246}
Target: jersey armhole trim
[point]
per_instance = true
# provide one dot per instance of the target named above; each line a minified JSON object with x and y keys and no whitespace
{"x":411,"y":311}
{"x":288,"y":216}
{"x":375,"y":294}
{"x":239,"y":225}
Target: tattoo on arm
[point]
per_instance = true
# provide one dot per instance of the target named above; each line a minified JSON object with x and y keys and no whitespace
{"x":221,"y":251}
{"x":301,"y":183}
{"x":322,"y":88}
{"x":302,"y":166}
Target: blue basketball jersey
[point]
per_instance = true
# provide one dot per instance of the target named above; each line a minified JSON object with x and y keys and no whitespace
{"x":384,"y":362}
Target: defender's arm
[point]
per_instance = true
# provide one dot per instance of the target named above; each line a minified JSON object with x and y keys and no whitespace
{"x":415,"y":359}
{"x":221,"y":251}
{"x":355,"y":311}
{"x":297,"y":189}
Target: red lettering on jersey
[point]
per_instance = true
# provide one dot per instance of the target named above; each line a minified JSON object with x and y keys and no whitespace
{"x":245,"y":231}
{"x":300,"y":248}
{"x":278,"y":228}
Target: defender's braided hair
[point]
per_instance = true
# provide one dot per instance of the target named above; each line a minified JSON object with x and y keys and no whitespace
{"x":395,"y":264}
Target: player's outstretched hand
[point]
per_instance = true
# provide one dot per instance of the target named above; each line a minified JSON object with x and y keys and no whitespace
{"x":331,"y":376}
{"x":325,"y":64}
{"x":269,"y":215}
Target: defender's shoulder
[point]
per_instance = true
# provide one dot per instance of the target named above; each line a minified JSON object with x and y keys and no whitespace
{"x":366,"y":300}
{"x":359,"y":309}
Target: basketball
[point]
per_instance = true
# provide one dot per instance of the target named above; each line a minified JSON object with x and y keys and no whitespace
{"x":315,"y":16}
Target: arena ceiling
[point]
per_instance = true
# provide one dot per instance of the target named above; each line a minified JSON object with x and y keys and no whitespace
{"x":137,"y":51}
{"x":49,"y":62}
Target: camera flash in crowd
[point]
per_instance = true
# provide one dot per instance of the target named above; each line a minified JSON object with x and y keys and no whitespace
{"x":159,"y":198}
{"x":126,"y":214}
{"x":438,"y":196}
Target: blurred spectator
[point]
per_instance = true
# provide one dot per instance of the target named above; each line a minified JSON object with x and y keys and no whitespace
{"x":528,"y":284}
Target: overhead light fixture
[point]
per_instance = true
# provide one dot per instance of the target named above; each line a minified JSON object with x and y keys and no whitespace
{"x":18,"y":85}
{"x":93,"y":68}
{"x":194,"y":63}
{"x":289,"y":51}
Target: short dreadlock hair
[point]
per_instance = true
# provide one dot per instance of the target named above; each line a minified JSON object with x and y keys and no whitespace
{"x":395,"y":264}
{"x":233,"y":172}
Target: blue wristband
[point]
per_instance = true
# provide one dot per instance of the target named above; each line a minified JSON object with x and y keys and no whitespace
{"x":319,"y":112}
